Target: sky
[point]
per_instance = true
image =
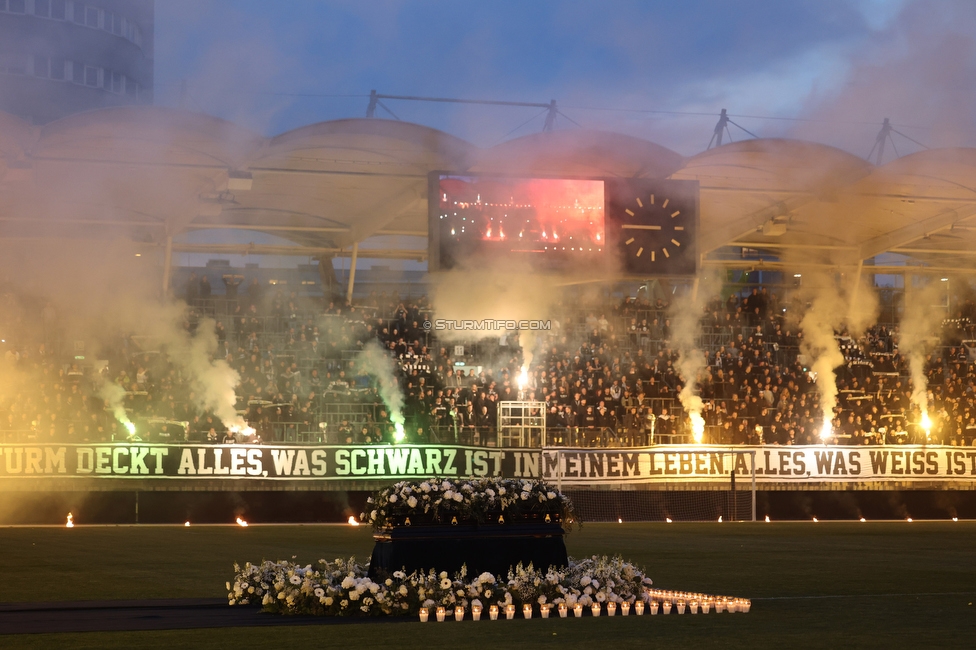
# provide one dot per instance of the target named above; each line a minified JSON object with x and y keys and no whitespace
{"x":824,"y":70}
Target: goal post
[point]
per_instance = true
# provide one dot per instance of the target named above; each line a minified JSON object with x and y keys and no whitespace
{"x":656,"y":484}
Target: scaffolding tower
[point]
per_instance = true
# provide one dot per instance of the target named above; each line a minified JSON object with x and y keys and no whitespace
{"x":521,"y":424}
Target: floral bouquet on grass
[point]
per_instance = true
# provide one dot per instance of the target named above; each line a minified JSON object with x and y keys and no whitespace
{"x":479,"y":500}
{"x":342,"y":588}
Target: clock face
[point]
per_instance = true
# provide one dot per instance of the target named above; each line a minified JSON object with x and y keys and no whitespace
{"x":655,"y":226}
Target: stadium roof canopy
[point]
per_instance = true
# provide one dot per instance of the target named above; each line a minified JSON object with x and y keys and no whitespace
{"x":150,"y":173}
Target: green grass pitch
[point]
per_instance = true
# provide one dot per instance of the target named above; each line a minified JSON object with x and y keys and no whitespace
{"x":828,"y":584}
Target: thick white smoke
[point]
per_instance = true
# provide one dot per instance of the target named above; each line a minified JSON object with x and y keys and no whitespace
{"x":114,"y":397}
{"x":834,"y":304}
{"x":917,"y":335}
{"x":686,"y":313}
{"x":376,"y":362}
{"x":213,"y":380}
{"x":499,"y":294}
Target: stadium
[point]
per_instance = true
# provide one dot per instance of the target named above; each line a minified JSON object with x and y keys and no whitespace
{"x":749,"y":370}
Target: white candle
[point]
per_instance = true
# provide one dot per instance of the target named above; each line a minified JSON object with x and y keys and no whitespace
{"x":577,"y":610}
{"x":667,"y":607}
{"x":563,"y":610}
{"x":527,"y":611}
{"x":441,"y":613}
{"x":681,"y":607}
{"x":509,"y":612}
{"x":476,"y":612}
{"x":693,"y":606}
{"x":424,"y":614}
{"x":544,"y":610}
{"x":624,"y":609}
{"x":458,"y":613}
{"x":493,"y":612}
{"x":654,"y":607}
{"x":639,"y":608}
{"x":595,"y":609}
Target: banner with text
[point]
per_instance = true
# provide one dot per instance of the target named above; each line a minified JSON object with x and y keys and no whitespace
{"x":772,"y":464}
{"x":663,"y":465}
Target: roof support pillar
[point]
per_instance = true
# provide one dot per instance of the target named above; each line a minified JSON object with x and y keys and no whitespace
{"x":352,"y":272}
{"x":857,"y":288}
{"x":167,"y":264}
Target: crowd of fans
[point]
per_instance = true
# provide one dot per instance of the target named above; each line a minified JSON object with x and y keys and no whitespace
{"x":604,"y":376}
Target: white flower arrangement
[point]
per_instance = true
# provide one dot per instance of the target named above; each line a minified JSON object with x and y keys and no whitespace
{"x":475,"y":500}
{"x":342,"y":588}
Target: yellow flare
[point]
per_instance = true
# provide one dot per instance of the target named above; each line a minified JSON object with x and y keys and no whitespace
{"x":697,"y":427}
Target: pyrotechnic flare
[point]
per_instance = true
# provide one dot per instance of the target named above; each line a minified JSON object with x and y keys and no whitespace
{"x":113,"y":394}
{"x":926,"y":424}
{"x":377,"y":363}
{"x":352,"y":521}
{"x":826,"y":431}
{"x":71,"y":522}
{"x":918,"y":333}
{"x":241,"y":522}
{"x":686,"y":314}
{"x":834,"y":305}
{"x":697,"y":426}
{"x":523,"y":378}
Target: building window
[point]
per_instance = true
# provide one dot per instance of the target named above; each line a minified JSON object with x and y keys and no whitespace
{"x":41,"y":68}
{"x":116,"y":86}
{"x":59,"y":9}
{"x":131,"y":88}
{"x":17,"y":6}
{"x":13,"y":64}
{"x":57,"y":69}
{"x":42,"y":8}
{"x":91,"y":17}
{"x":91,"y":75}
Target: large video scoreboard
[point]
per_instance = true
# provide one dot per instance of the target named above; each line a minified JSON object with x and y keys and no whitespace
{"x":608,"y":226}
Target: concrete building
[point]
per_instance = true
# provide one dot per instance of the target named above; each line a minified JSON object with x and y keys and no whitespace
{"x":59,"y":57}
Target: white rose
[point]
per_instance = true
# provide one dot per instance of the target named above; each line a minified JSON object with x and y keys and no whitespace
{"x":295,"y":580}
{"x":412,"y":502}
{"x":551,"y":495}
{"x":458,"y":497}
{"x":393,"y":498}
{"x":525,"y":496}
{"x":319,"y":592}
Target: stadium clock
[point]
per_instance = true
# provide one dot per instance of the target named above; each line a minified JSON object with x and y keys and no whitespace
{"x":654,"y":224}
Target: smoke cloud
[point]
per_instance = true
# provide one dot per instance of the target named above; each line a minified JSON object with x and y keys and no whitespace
{"x":835,"y":304}
{"x":376,"y":362}
{"x":918,"y":334}
{"x":686,"y":313}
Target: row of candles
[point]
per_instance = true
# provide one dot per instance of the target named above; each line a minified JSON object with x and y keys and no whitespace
{"x":663,"y":601}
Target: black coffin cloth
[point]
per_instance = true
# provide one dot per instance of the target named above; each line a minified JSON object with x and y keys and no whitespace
{"x":491,"y":548}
